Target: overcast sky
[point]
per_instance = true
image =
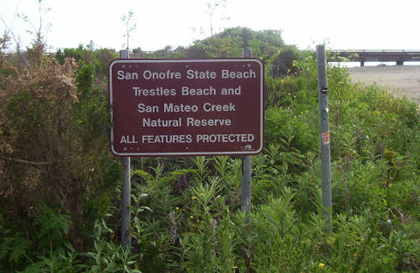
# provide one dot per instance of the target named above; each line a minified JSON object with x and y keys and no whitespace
{"x":341,"y":24}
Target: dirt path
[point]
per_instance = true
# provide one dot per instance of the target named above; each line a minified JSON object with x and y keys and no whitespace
{"x":400,"y":80}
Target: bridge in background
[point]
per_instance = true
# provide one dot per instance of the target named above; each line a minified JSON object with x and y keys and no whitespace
{"x":362,"y":56}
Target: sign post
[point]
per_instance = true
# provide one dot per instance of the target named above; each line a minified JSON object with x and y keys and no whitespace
{"x":246,"y":168}
{"x":325,"y":134}
{"x":187,"y":107}
{"x":126,"y":192}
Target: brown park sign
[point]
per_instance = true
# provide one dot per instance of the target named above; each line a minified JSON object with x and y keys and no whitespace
{"x":186,"y":107}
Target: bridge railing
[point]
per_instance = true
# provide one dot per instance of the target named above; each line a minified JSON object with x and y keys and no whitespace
{"x":362,"y":56}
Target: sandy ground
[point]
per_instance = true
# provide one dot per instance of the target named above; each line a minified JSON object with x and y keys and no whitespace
{"x":402,"y":80}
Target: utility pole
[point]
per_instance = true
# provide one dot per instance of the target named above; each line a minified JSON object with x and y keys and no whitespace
{"x":126,"y":192}
{"x":325,"y":134}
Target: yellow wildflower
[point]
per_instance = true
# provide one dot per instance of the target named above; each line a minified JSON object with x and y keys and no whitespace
{"x":321,"y":265}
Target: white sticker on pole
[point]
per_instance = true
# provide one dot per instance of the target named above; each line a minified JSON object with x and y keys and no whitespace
{"x":326,"y":138}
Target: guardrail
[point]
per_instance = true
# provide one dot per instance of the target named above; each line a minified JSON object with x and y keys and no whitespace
{"x":362,"y":56}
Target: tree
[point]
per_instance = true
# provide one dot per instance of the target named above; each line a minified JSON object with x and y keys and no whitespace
{"x":130,"y":26}
{"x":38,"y":29}
{"x":211,"y":9}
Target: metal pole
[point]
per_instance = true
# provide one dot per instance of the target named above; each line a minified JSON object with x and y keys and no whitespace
{"x":325,"y":134}
{"x":246,"y":183}
{"x":246,"y":168}
{"x":126,"y":193}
